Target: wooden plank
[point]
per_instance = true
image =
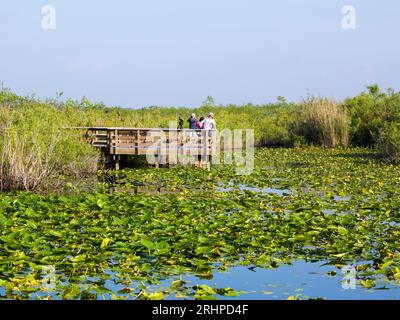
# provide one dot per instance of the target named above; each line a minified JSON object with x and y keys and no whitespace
{"x":141,"y":141}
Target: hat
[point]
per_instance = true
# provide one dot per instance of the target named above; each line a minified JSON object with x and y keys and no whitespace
{"x":211,"y":114}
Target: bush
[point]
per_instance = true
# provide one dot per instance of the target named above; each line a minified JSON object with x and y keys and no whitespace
{"x":389,"y":142}
{"x":322,"y":122}
{"x":370,"y":112}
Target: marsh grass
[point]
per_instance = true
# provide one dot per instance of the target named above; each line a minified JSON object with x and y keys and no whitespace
{"x":323,"y":122}
{"x":35,"y":152}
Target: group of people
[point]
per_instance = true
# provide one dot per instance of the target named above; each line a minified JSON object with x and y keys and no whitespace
{"x":201,"y":123}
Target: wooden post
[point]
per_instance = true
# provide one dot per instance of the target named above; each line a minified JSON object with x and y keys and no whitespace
{"x":117,"y":160}
{"x":137,"y":141}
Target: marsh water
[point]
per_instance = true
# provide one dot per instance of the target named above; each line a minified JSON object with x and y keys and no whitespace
{"x":304,"y":225}
{"x":302,"y":280}
{"x":299,"y":280}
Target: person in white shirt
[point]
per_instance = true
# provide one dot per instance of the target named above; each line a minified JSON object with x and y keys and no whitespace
{"x":209,"y":123}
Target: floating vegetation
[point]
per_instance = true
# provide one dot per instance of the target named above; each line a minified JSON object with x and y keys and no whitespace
{"x":113,"y":243}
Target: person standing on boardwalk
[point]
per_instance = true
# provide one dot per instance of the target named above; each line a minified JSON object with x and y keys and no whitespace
{"x":180,"y":123}
{"x":200,"y":123}
{"x":209,"y":123}
{"x":192,"y":121}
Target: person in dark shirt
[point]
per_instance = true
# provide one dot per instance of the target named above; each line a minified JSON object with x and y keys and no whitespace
{"x":180,"y":123}
{"x":192,"y":121}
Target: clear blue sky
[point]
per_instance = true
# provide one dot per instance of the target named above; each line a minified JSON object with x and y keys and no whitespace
{"x":175,"y":53}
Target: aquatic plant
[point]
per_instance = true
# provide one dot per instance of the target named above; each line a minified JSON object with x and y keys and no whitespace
{"x":310,"y":204}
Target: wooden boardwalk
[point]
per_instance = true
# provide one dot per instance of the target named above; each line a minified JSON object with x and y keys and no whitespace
{"x":164,"y":146}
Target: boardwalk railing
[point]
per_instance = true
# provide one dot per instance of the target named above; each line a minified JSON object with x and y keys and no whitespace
{"x":158,"y":142}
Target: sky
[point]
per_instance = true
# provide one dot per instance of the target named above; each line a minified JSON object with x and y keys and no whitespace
{"x":135,"y":53}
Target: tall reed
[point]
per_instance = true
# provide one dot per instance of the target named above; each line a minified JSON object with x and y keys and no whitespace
{"x":35,"y":151}
{"x":322,"y":122}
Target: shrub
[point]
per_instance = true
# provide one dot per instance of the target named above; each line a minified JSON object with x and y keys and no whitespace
{"x":370,"y":112}
{"x":389,"y":142}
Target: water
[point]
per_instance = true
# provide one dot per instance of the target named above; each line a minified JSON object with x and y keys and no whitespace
{"x":301,"y":279}
{"x":306,"y":280}
{"x":157,"y":190}
{"x":244,"y":187}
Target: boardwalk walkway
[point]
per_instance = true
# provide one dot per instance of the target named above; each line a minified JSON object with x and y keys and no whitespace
{"x":164,"y":146}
